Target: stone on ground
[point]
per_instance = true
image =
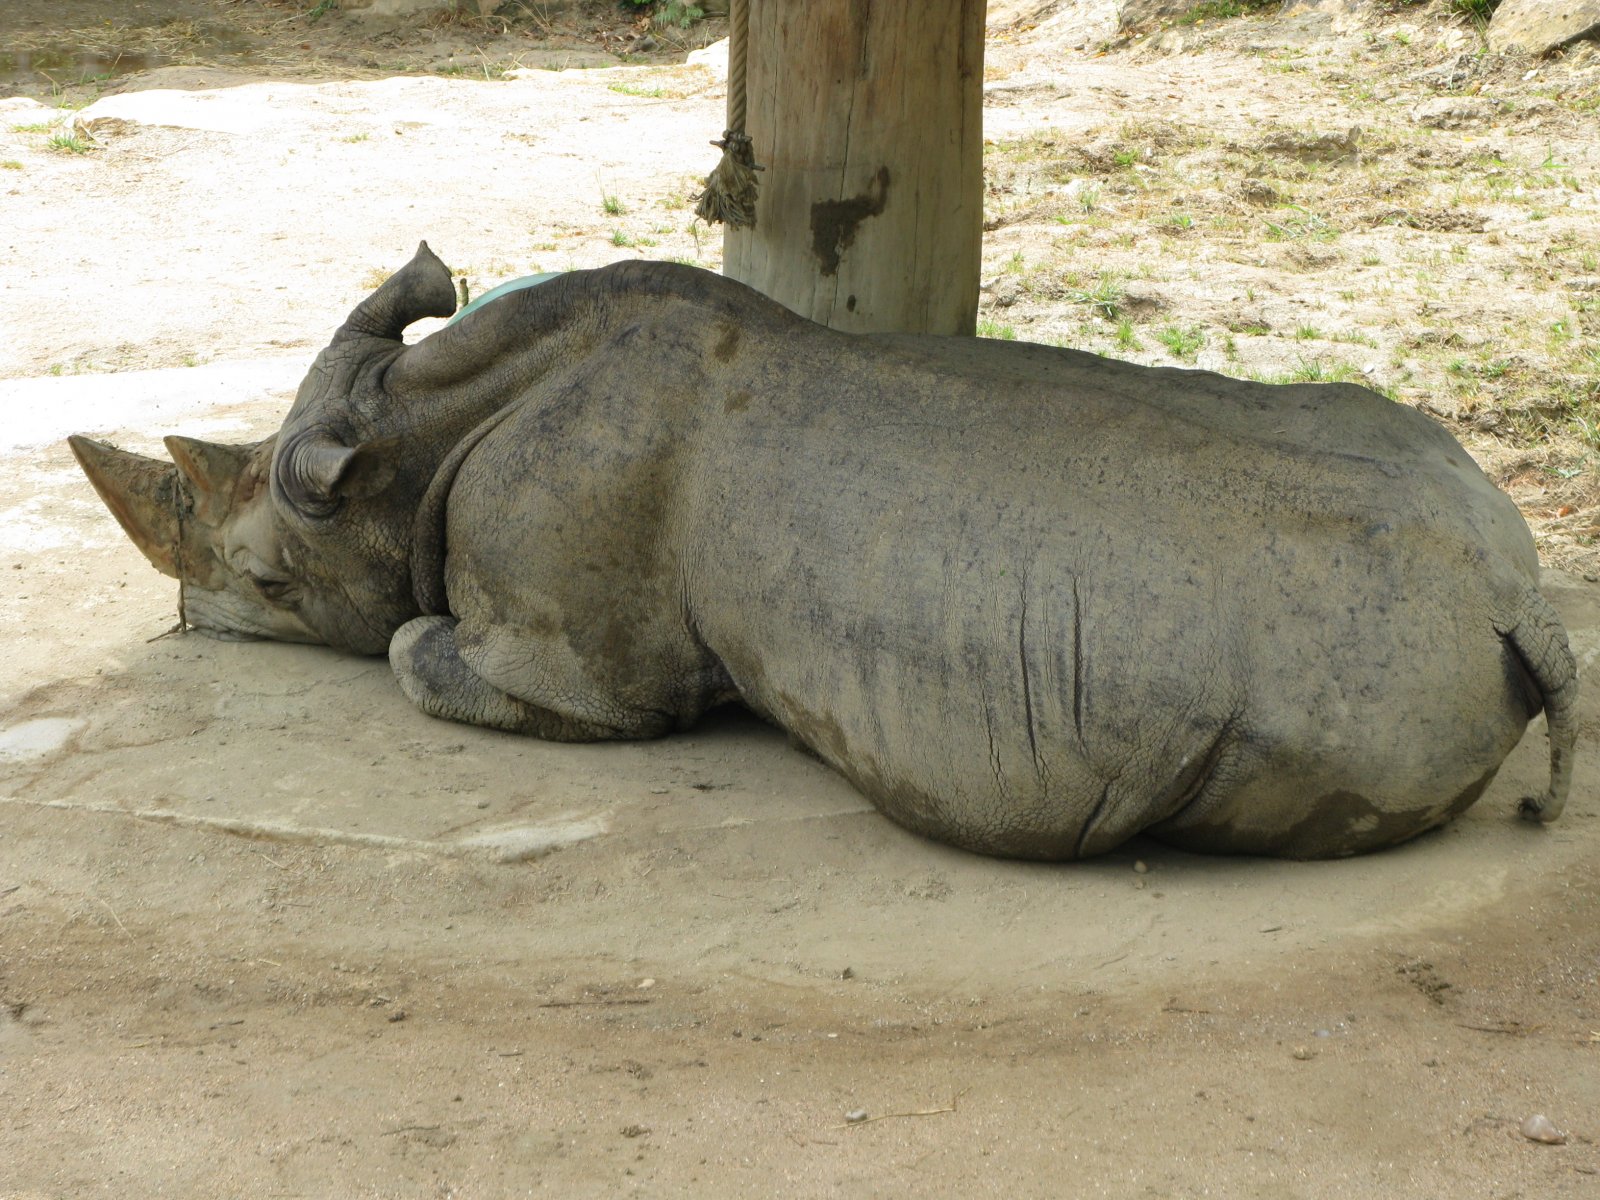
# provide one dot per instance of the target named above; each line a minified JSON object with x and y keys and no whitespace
{"x":1540,"y":26}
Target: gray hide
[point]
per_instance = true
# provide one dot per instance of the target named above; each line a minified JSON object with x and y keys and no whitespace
{"x":1028,"y":600}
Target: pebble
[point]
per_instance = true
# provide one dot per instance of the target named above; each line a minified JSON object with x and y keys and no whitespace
{"x":1303,"y":1054}
{"x":1141,"y":867}
{"x":856,"y":1115}
{"x":1539,"y":1128}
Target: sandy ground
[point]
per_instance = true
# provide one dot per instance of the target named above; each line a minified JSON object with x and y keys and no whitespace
{"x":267,"y":930}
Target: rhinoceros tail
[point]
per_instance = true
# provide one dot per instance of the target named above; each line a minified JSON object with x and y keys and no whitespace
{"x":1536,"y":634}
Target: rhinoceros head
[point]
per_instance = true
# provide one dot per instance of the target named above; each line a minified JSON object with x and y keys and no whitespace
{"x":207,"y":519}
{"x":304,"y":536}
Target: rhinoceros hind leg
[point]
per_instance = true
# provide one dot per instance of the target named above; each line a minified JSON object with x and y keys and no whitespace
{"x":427,"y":662}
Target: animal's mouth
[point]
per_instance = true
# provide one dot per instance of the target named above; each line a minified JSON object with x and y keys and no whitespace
{"x":228,"y":617}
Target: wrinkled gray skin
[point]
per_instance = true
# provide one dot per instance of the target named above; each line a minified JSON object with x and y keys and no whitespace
{"x":1028,"y":600}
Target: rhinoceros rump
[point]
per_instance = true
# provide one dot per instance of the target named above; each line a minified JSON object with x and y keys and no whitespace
{"x":1028,"y":600}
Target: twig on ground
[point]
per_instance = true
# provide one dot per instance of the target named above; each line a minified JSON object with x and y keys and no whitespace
{"x":919,"y":1112}
{"x":114,"y":917}
{"x":601,"y":1000}
{"x":1514,"y":1030}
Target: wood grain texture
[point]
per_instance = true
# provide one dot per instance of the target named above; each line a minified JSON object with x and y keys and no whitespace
{"x":867,"y":115}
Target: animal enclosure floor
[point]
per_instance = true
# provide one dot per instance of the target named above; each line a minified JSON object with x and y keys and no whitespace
{"x":267,"y":925}
{"x":267,"y":930}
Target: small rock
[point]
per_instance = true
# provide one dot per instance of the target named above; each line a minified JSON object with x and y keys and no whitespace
{"x":1453,"y":112}
{"x":1255,"y":192}
{"x":848,"y":973}
{"x":713,"y":58}
{"x":1539,"y":1128}
{"x":1138,"y":300}
{"x":1007,"y":291}
{"x":1323,"y":147}
{"x":1141,"y":866}
{"x":1304,"y":1054}
{"x":1454,"y":76}
{"x":646,"y":983}
{"x":856,"y":1115}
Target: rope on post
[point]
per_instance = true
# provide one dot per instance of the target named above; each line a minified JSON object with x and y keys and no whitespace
{"x":730,"y":195}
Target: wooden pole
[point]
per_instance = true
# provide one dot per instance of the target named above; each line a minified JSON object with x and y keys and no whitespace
{"x":868,"y":116}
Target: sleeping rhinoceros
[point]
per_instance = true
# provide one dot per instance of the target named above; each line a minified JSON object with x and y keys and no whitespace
{"x":1028,"y":600}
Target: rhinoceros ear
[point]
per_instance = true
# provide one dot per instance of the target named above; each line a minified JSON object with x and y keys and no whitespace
{"x":421,"y":288}
{"x":142,"y":493}
{"x":316,"y":472}
{"x":213,"y":470}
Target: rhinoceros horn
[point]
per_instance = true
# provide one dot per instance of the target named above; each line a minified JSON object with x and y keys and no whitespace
{"x":421,"y":288}
{"x":142,"y":493}
{"x":213,"y":470}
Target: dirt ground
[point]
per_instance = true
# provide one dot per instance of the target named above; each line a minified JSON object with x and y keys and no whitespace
{"x":265,"y":930}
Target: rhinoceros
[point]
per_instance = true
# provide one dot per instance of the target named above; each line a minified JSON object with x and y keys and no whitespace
{"x":1028,"y":600}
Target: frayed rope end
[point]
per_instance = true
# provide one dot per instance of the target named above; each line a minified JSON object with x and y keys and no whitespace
{"x":730,"y":195}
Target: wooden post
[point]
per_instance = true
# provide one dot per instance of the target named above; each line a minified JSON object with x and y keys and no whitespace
{"x":868,"y":116}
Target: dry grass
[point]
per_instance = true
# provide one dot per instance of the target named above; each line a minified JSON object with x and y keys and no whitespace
{"x":176,"y":41}
{"x":1453,"y":269}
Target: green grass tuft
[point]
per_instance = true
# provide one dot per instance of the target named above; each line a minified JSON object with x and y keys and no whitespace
{"x":1184,"y":343}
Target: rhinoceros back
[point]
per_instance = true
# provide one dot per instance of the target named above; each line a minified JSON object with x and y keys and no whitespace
{"x":1033,"y":603}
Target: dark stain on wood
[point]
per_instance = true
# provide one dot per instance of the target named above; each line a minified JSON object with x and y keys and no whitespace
{"x":834,"y":222}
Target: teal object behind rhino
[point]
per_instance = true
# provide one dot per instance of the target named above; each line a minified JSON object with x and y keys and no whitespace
{"x":514,"y":285}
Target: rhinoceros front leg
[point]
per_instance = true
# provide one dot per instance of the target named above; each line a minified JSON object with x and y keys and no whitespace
{"x":437,"y":673}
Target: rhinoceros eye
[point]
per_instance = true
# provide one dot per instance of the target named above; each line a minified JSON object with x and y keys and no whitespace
{"x":279,"y":591}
